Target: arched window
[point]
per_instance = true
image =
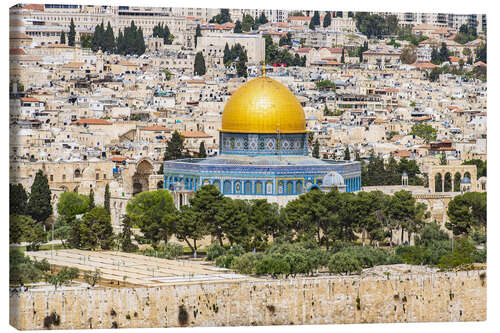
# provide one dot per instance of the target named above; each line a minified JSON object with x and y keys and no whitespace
{"x":438,"y":180}
{"x":269,"y":187}
{"x":78,"y":174}
{"x":289,"y":187}
{"x":281,"y":184}
{"x":237,"y":187}
{"x":299,"y":187}
{"x":227,"y":186}
{"x":258,"y":187}
{"x":248,"y":187}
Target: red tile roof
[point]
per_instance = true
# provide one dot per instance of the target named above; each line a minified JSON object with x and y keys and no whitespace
{"x":91,"y":121}
{"x":29,"y":99}
{"x":118,"y":158}
{"x":16,"y":51}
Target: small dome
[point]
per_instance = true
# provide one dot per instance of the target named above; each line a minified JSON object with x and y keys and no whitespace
{"x":465,"y":180}
{"x":333,"y":179}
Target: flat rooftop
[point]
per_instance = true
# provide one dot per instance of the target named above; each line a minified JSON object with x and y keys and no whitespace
{"x":138,"y":269}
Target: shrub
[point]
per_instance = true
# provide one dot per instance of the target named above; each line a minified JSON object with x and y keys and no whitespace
{"x":172,"y":250}
{"x":343,"y":262}
{"x":224,"y":261}
{"x":432,"y":232}
{"x":462,"y":254}
{"x":214,"y":251}
{"x":367,"y":256}
{"x":479,"y":256}
{"x":236,"y":250}
{"x":478,"y":237}
{"x":245,"y":264}
{"x":413,"y":255}
{"x":272,"y":264}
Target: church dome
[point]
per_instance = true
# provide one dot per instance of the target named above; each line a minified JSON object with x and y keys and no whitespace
{"x":263,"y":105}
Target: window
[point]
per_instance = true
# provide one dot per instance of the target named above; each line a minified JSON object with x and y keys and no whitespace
{"x":258,"y":188}
{"x":96,"y":176}
{"x":51,"y":178}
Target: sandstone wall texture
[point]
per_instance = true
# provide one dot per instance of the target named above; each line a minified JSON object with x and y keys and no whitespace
{"x":451,"y":296}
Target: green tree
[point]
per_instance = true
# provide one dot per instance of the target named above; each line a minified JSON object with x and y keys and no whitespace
{"x":109,"y":39}
{"x":175,"y":147}
{"x":152,"y":212}
{"x":343,"y":263}
{"x":347,"y":154}
{"x":263,"y":18}
{"x":407,"y":213}
{"x":481,"y":53}
{"x":465,"y":212}
{"x":315,"y":152}
{"x":39,"y":204}
{"x":62,"y":40}
{"x":197,"y":34}
{"x":264,"y":222}
{"x":199,"y":64}
{"x":71,"y":204}
{"x":241,"y":69}
{"x":248,"y":22}
{"x":409,"y":55}
{"x":480,"y":165}
{"x":205,"y":204}
{"x":202,"y":153}
{"x":227,"y":56}
{"x":107,"y":199}
{"x":426,"y":132}
{"x":71,"y":33}
{"x":461,"y":254}
{"x":91,"y":200}
{"x":222,"y":17}
{"x":237,"y":27}
{"x":125,"y":237}
{"x":232,"y":218}
{"x":98,"y":232}
{"x":92,"y":278}
{"x":188,"y":226}
{"x":18,"y":199}
{"x":327,"y":21}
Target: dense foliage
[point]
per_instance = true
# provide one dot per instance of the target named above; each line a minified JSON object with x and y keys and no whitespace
{"x":378,"y":173}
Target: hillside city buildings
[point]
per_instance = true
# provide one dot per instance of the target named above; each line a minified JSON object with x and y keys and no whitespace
{"x":88,"y":119}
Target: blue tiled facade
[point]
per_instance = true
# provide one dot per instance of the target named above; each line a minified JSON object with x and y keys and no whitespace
{"x":263,"y":144}
{"x":247,"y":179}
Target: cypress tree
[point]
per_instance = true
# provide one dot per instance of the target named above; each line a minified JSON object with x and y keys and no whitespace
{"x":72,"y":33}
{"x":237,"y":27}
{"x":107,"y":199}
{"x":199,"y":64}
{"x":109,"y":39}
{"x":18,"y":199}
{"x":347,"y":154}
{"x":62,"y":41}
{"x":202,"y":152}
{"x":197,"y":34}
{"x":241,"y":69}
{"x":315,"y":152}
{"x":327,"y":21}
{"x":175,"y":146}
{"x":342,"y":59}
{"x":39,"y":205}
{"x":126,"y":236}
{"x":263,"y":18}
{"x":227,"y":55}
{"x":91,"y":200}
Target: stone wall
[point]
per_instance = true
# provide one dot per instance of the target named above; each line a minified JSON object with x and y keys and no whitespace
{"x":459,"y":296}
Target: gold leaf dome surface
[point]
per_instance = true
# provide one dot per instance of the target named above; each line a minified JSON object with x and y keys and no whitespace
{"x":263,"y":105}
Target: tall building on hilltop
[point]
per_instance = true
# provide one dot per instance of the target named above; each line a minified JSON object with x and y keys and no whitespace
{"x":263,"y":152}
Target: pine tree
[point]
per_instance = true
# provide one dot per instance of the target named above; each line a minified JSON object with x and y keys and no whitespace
{"x":347,"y":154}
{"x":107,"y":199}
{"x":39,"y":205}
{"x":72,"y":33}
{"x":202,"y":152}
{"x":91,"y":200}
{"x":18,"y":199}
{"x":237,"y":27}
{"x":109,"y":39}
{"x":315,"y":152}
{"x":327,"y":21}
{"x":62,"y":41}
{"x":199,"y":64}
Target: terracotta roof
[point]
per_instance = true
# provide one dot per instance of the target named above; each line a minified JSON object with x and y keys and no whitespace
{"x":29,"y":99}
{"x":74,"y":64}
{"x":91,"y":121}
{"x":155,"y":128}
{"x":35,"y":6}
{"x":195,"y":134}
{"x":454,"y":59}
{"x":402,"y":153}
{"x":423,"y":118}
{"x":334,"y":49}
{"x":16,"y":51}
{"x":480,"y":63}
{"x":379,"y":121}
{"x":424,"y":65}
{"x":118,"y":158}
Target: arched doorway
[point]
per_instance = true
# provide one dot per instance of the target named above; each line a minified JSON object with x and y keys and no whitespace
{"x":438,"y":181}
{"x":140,"y":179}
{"x":447,"y":182}
{"x":456,"y":182}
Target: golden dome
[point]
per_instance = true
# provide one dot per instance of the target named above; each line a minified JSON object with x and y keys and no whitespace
{"x":263,"y":105}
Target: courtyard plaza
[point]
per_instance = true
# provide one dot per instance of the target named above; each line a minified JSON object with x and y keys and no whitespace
{"x":122,"y":269}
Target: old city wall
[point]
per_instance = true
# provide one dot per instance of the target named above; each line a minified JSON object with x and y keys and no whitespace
{"x":459,"y":296}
